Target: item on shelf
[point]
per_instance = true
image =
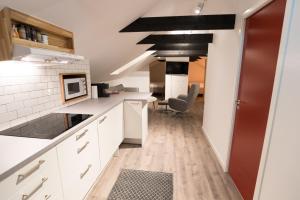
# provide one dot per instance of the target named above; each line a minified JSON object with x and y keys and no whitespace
{"x":14,"y":31}
{"x":22,"y":31}
{"x":44,"y":38}
{"x":39,"y":36}
{"x":28,"y":32}
{"x":33,"y":34}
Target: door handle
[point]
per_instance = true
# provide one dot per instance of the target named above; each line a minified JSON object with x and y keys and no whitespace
{"x":238,"y":103}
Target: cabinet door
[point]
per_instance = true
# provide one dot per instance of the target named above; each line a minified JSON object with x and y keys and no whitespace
{"x":118,"y":128}
{"x":133,"y":119}
{"x":110,"y":130}
{"x":144,"y":123}
{"x":106,"y":141}
{"x":79,"y":162}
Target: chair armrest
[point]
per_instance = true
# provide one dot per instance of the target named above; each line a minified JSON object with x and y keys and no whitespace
{"x":131,"y":89}
{"x":177,"y":104}
{"x":182,"y":97}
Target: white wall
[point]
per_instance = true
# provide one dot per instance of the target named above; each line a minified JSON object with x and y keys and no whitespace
{"x":139,"y":79}
{"x":222,"y":78}
{"x":220,"y":92}
{"x":28,"y":92}
{"x":281,"y":177}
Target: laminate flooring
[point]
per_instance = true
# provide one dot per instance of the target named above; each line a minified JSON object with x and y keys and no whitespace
{"x":175,"y":144}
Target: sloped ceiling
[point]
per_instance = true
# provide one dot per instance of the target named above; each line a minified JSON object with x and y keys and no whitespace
{"x":96,"y":25}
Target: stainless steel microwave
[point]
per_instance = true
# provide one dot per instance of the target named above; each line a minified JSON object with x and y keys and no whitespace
{"x":74,"y":86}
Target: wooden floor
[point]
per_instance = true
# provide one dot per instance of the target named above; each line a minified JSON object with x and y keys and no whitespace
{"x":175,"y":144}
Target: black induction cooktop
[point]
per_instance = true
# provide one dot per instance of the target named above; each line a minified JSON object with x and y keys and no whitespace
{"x":46,"y":127}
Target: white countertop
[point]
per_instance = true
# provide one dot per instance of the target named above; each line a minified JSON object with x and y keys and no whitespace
{"x":16,"y":152}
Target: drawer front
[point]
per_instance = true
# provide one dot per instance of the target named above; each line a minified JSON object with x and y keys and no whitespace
{"x":79,"y":162}
{"x":39,"y":177}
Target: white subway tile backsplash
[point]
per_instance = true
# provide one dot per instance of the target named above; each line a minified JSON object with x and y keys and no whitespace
{"x":22,"y":96}
{"x":31,"y":102}
{"x":39,"y":108}
{"x":24,"y":112}
{"x":53,"y":84}
{"x":3,"y":109}
{"x":12,"y":89}
{"x":1,"y":90}
{"x":6,"y":99}
{"x":36,"y":93}
{"x":15,"y":106}
{"x":9,"y":116}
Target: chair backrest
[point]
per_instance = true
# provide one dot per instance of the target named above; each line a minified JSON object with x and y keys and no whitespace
{"x":192,"y":95}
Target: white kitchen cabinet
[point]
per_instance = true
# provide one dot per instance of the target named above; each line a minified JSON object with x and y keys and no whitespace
{"x":175,"y":85}
{"x":135,"y":122}
{"x":37,"y":180}
{"x":110,"y":128}
{"x":79,"y":162}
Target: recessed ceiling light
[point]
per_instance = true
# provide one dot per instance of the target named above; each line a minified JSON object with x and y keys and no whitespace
{"x":199,"y":7}
{"x":197,"y":10}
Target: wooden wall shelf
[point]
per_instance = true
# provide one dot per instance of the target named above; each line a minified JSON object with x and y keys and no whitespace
{"x":59,"y":39}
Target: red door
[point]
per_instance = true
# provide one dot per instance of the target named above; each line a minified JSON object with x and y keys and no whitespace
{"x":262,"y":39}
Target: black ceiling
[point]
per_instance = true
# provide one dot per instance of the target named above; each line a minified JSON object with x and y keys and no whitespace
{"x":179,"y":47}
{"x":181,"y":38}
{"x":195,"y":22}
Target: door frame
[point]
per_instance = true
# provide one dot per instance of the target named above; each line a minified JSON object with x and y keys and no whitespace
{"x":277,"y":81}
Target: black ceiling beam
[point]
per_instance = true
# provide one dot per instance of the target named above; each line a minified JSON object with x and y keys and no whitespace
{"x":174,"y":23}
{"x":194,"y":58}
{"x":181,"y":38}
{"x":185,"y":53}
{"x":191,"y":59}
{"x":176,"y":55}
{"x":179,"y":47}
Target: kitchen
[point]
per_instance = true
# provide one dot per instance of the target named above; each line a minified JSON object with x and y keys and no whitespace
{"x":77,"y":120}
{"x":54,"y":138}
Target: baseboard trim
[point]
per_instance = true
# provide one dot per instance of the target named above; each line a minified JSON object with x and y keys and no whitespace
{"x":132,"y":141}
{"x":222,"y":164}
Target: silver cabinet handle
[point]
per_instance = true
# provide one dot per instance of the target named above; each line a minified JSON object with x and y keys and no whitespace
{"x":27,"y":196}
{"x":47,"y":197}
{"x":82,"y":148}
{"x":85,"y":172}
{"x":102,"y":120}
{"x":22,"y":177}
{"x":81,"y":135}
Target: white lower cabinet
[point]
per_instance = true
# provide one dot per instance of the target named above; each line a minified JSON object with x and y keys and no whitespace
{"x":39,"y":180}
{"x":110,"y":128}
{"x":135,"y":121}
{"x":69,"y":170}
{"x":79,"y":162}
